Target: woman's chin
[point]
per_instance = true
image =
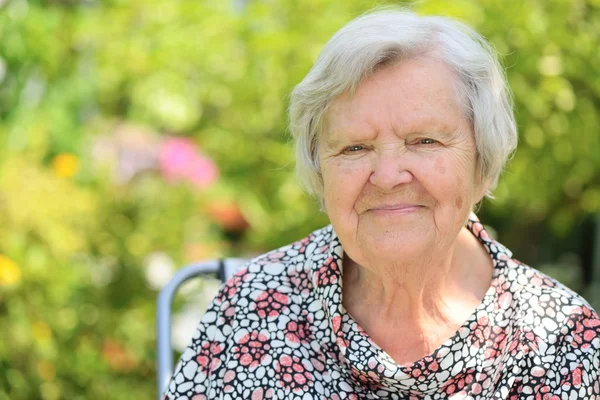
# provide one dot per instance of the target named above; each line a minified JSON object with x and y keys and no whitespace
{"x":394,"y":244}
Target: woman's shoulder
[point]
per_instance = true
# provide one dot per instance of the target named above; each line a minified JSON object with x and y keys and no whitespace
{"x":553,"y":334}
{"x":259,"y":310}
{"x":288,"y":265}
{"x":530,"y":282}
{"x":295,"y":252}
{"x":278,"y":276}
{"x":545,"y":307}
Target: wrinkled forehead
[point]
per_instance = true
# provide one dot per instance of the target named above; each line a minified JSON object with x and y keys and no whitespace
{"x":414,"y":95}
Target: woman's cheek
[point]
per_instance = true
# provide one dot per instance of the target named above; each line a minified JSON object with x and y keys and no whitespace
{"x":351,"y":171}
{"x":441,"y":178}
{"x":459,"y":202}
{"x":439,"y":166}
{"x":344,"y":182}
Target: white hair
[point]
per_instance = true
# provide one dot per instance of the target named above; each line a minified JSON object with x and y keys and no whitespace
{"x":382,"y":37}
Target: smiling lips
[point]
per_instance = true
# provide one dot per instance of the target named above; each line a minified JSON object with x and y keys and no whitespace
{"x":396,"y":208}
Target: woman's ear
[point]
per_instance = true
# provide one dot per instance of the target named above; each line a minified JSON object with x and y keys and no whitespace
{"x":482,"y":189}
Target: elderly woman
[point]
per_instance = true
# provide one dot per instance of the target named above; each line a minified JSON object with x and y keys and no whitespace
{"x":402,"y":127}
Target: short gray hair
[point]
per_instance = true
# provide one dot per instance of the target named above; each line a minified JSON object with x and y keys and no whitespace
{"x":382,"y":37}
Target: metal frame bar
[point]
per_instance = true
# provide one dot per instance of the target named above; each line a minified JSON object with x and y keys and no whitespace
{"x":223,"y":268}
{"x":163,"y":317}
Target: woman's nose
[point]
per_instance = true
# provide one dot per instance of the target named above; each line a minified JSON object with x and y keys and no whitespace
{"x":390,"y":172}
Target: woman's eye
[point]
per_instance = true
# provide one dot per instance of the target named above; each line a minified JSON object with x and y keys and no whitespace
{"x":426,"y":141}
{"x":353,"y":149}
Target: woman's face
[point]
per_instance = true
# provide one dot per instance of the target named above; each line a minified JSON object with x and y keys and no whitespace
{"x":399,"y":163}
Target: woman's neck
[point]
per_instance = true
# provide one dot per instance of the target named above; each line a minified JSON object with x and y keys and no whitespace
{"x":418,"y":302}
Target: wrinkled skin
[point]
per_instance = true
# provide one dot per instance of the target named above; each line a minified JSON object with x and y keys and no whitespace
{"x":400,"y":176}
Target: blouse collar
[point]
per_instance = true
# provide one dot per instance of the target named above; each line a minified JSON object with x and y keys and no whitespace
{"x":348,"y":338}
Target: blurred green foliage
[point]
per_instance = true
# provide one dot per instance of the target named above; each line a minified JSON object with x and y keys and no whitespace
{"x":76,"y":308}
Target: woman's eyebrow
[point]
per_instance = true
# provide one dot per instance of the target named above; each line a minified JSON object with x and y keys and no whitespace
{"x":333,"y":143}
{"x":336,"y":139}
{"x":333,"y":140}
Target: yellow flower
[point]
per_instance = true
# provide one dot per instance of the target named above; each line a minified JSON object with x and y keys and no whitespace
{"x":46,"y":370}
{"x":9,"y":271}
{"x":41,"y":332}
{"x":65,"y":165}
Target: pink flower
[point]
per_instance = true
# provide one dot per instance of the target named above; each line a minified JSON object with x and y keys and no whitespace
{"x":180,"y":160}
{"x":232,"y":285}
{"x":270,"y":303}
{"x":208,"y":356}
{"x":291,"y":373}
{"x":297,"y":332}
{"x":328,"y":274}
{"x":252,"y":349}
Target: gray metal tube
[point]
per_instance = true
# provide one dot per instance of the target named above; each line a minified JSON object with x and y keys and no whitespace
{"x":164,"y":354}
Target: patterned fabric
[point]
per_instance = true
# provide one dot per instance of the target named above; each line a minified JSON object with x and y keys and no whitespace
{"x":278,"y":330}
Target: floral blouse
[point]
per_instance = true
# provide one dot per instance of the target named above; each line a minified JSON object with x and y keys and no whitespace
{"x":278,"y":330}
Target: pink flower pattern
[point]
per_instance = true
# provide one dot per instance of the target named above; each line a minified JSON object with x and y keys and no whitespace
{"x":270,"y":303}
{"x":291,"y":373}
{"x":252,"y":349}
{"x":278,"y":330}
{"x":207,"y":357}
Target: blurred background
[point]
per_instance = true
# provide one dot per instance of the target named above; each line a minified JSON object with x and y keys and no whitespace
{"x":138,"y":136}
